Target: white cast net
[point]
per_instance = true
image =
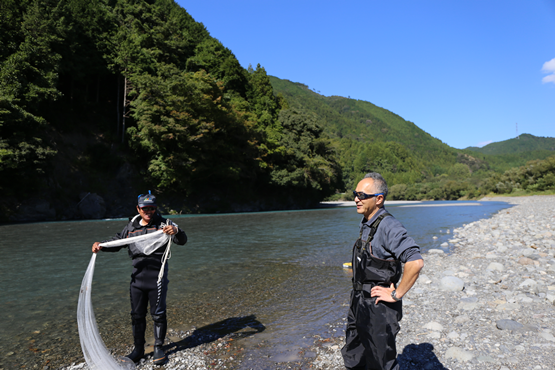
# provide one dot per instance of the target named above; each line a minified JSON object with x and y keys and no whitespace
{"x":95,"y":352}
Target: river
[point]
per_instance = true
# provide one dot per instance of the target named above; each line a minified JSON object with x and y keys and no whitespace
{"x":283,"y":270}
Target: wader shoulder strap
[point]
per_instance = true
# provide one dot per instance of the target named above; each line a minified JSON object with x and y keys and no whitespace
{"x":375,"y":224}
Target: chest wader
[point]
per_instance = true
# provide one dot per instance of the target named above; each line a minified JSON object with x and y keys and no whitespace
{"x":143,"y":290}
{"x":371,"y":329}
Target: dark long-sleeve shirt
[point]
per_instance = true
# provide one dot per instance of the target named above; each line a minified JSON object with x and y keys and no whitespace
{"x":391,"y":240}
{"x":134,"y":228}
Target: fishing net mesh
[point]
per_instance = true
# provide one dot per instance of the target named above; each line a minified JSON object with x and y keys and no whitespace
{"x":95,"y":352}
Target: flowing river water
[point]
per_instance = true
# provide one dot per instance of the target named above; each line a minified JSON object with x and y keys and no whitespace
{"x":276,"y":274}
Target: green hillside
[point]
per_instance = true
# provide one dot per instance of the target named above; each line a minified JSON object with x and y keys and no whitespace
{"x":371,"y":138}
{"x":521,"y":144}
{"x":117,"y":96}
{"x":361,"y":120}
{"x":504,"y":155}
{"x":503,"y":162}
{"x":415,"y":164}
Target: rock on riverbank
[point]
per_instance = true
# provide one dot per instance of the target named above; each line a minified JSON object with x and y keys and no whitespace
{"x":489,"y":304}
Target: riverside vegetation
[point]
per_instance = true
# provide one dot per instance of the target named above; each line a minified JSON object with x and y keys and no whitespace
{"x":106,"y":98}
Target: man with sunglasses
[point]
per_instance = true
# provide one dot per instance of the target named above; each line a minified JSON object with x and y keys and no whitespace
{"x":375,"y":305}
{"x":144,"y":287}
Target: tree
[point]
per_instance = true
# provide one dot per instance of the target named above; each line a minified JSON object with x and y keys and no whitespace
{"x":459,"y":171}
{"x":219,"y":62}
{"x":28,"y":75}
{"x":307,"y":160}
{"x":188,"y":133}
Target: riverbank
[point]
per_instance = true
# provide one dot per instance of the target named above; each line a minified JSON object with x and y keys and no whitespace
{"x":340,"y":203}
{"x":403,"y":203}
{"x":488,"y":304}
{"x":501,"y":317}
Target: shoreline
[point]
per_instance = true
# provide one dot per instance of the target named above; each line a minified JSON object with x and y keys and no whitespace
{"x":486,"y":305}
{"x":418,"y":203}
{"x":351,"y":203}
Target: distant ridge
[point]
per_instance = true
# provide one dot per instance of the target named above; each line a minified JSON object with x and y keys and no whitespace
{"x":370,"y":138}
{"x":525,"y":143}
{"x":362,"y":121}
{"x":417,"y":166}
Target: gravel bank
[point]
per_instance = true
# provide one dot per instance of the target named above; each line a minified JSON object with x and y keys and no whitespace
{"x":487,"y":305}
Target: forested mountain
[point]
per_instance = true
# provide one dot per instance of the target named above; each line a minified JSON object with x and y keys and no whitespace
{"x":416,"y":165}
{"x":372,"y":138}
{"x":504,"y":155}
{"x":113,"y":97}
{"x":521,"y":144}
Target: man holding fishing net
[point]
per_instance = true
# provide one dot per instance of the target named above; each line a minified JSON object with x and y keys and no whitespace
{"x":149,"y":283}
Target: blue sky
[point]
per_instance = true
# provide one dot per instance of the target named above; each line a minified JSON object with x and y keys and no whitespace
{"x":465,"y":71}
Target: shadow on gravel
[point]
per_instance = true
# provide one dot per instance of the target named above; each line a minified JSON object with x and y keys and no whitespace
{"x":419,"y":357}
{"x":220,"y":329}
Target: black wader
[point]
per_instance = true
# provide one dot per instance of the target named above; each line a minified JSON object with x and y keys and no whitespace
{"x":144,"y":287}
{"x":144,"y":290}
{"x":371,"y":329}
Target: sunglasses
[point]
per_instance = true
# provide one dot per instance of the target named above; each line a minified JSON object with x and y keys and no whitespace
{"x":360,"y":195}
{"x":148,"y":209}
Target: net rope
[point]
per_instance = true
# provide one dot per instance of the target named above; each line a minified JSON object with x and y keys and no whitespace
{"x":95,"y":352}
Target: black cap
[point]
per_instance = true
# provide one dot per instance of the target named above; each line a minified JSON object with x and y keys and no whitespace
{"x":147,"y":200}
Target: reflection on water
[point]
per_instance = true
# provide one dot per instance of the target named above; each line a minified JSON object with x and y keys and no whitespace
{"x":285,"y":268}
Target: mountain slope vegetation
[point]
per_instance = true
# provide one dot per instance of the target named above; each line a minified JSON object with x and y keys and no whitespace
{"x":92,"y":90}
{"x":372,"y":138}
{"x":516,"y":152}
{"x":416,"y":165}
{"x":521,"y":144}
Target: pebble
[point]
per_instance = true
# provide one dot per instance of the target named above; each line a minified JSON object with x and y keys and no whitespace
{"x":424,"y":279}
{"x":452,"y":283}
{"x":435,"y":326}
{"x":459,"y":354}
{"x":468,"y":303}
{"x":506,"y":324}
{"x":495,"y":266}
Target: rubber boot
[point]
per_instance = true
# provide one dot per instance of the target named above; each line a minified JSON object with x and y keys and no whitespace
{"x":139,"y":327}
{"x":160,"y":328}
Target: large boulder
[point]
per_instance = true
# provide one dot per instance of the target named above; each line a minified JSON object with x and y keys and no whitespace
{"x":91,"y":206}
{"x":34,"y":210}
{"x":452,"y":284}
